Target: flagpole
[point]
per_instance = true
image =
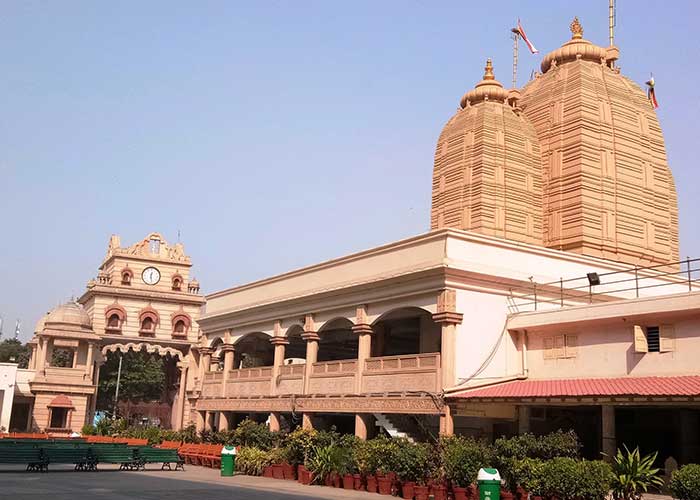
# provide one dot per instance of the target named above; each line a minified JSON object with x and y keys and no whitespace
{"x":611,"y":21}
{"x":516,"y":37}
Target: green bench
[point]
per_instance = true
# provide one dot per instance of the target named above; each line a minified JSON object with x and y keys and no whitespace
{"x":79,"y":456}
{"x":114,"y":454}
{"x":148,"y":455}
{"x":22,"y":454}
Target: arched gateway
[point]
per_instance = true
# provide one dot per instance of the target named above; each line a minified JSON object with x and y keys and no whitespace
{"x":143,"y":300}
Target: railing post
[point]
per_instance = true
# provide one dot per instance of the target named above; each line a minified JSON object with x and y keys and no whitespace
{"x":561,"y":292}
{"x":590,"y":293}
{"x":690,"y":280}
{"x":534,"y":285}
{"x":636,"y":280}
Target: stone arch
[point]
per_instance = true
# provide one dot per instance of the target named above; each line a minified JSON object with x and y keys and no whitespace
{"x":405,"y":330}
{"x":296,"y":349}
{"x":115,"y":317}
{"x":252,"y":350}
{"x":181,"y":323}
{"x":138,"y":346}
{"x":337,"y":340}
{"x":149,"y":320}
{"x":177,"y":282}
{"x":127,"y":275}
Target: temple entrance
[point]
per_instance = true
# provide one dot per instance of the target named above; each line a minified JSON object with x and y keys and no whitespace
{"x":148,"y":385}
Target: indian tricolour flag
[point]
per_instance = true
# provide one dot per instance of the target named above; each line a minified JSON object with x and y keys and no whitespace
{"x":527,"y":41}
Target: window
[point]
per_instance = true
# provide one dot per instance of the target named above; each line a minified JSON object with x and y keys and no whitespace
{"x":154,"y":246}
{"x":126,"y":276}
{"x":59,"y":418}
{"x":62,"y":358}
{"x":177,"y":284}
{"x":113,"y":322}
{"x":180,"y":328}
{"x":653,"y":339}
{"x":560,"y":347}
{"x":147,"y":325}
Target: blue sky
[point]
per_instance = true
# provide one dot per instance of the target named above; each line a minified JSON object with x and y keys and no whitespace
{"x":271,"y":134}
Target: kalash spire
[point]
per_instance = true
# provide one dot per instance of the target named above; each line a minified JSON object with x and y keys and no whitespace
{"x":575,"y":161}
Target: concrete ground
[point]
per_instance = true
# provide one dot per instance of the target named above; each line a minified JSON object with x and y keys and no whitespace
{"x":195,"y":483}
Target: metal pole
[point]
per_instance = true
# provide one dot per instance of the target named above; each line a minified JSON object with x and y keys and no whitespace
{"x":116,"y":391}
{"x":611,"y":20}
{"x":561,"y":291}
{"x":636,"y":280}
{"x":516,"y":37}
{"x":535,"y":289}
{"x":690,"y":281}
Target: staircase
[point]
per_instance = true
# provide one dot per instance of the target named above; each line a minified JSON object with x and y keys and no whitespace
{"x":411,"y":427}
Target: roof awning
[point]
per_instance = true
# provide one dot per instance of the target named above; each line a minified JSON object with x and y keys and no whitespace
{"x":61,"y":401}
{"x":604,"y":388}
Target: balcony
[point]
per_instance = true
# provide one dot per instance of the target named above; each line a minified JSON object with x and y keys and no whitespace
{"x":390,"y":374}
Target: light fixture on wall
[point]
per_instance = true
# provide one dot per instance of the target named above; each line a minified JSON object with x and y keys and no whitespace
{"x":593,"y":279}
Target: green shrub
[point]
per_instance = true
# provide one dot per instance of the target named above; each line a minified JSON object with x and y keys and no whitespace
{"x":249,"y":433}
{"x":376,"y":455}
{"x":327,"y":459}
{"x":299,"y":443}
{"x":634,"y":474}
{"x":88,"y":430}
{"x":555,"y":444}
{"x":252,"y":461}
{"x":462,"y":458}
{"x":413,"y":460}
{"x":596,"y":479}
{"x":685,"y":482}
{"x":560,"y":478}
{"x":526,"y":473}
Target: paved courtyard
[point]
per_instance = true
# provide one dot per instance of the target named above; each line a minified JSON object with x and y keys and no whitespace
{"x":195,"y":483}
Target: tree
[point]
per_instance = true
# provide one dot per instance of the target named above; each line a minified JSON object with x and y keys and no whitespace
{"x":12,"y":351}
{"x":142,"y":378}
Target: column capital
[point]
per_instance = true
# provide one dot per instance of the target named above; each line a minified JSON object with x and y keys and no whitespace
{"x":279,"y":340}
{"x":448,"y":317}
{"x":206,"y":350}
{"x":362,"y":329}
{"x":228,"y":348}
{"x":310,"y":336}
{"x":182,"y":365}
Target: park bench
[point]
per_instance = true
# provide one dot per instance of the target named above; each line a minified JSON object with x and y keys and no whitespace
{"x":107,"y":453}
{"x":77,"y":455}
{"x":171,"y":445}
{"x":187,"y":452}
{"x":209,"y":455}
{"x":30,"y":456}
{"x":166,"y":456}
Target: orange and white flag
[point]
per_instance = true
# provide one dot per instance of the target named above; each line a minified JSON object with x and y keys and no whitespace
{"x":527,"y":41}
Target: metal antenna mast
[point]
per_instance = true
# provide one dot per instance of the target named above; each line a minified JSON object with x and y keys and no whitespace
{"x":516,"y":38}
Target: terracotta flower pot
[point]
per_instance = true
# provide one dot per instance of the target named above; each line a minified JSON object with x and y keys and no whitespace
{"x":520,"y":493}
{"x":371,"y":484}
{"x":267,"y":471}
{"x":407,"y":490}
{"x":384,"y":485}
{"x":440,"y":492}
{"x":459,"y":493}
{"x":277,"y":471}
{"x":288,"y":471}
{"x":472,"y":492}
{"x":421,"y":492}
{"x":328,"y":480}
{"x":348,"y":482}
{"x":337,"y":480}
{"x":536,"y":498}
{"x":506,"y":495}
{"x":301,"y":474}
{"x":357,"y":482}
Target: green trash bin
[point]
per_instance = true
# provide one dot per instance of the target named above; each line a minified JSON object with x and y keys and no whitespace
{"x":489,"y":481}
{"x":228,"y":460}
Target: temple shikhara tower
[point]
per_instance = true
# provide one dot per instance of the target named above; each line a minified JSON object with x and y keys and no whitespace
{"x":575,"y":161}
{"x":547,"y":294}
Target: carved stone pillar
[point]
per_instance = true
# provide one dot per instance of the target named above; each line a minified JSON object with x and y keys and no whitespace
{"x":201,"y":416}
{"x":447,"y":424}
{"x":95,"y":381}
{"x":204,"y":362}
{"x":224,"y":421}
{"x":181,"y":392}
{"x":279,"y":343}
{"x":214,"y":363}
{"x":609,"y":438}
{"x":229,"y":351}
{"x":275,"y":423}
{"x":364,"y":351}
{"x":43,"y":347}
{"x":363,"y":425}
{"x":311,"y":338}
{"x":448,"y":319}
{"x":88,"y":362}
{"x":307,"y":422}
{"x":523,"y":419}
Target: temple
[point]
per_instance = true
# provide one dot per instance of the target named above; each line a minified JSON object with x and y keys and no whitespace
{"x":548,"y":294}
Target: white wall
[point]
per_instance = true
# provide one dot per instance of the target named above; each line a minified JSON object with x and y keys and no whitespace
{"x":8,"y":376}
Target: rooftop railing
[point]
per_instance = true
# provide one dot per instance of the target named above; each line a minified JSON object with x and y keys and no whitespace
{"x":595,"y":287}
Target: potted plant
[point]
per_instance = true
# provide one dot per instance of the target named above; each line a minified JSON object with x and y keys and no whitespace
{"x":462,"y":458}
{"x":633,"y":474}
{"x":685,"y":482}
{"x":411,"y":465}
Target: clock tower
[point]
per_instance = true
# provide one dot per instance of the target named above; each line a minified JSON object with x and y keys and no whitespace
{"x":144,"y":299}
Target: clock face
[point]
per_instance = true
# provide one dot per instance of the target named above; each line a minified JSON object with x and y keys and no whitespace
{"x":150,"y":275}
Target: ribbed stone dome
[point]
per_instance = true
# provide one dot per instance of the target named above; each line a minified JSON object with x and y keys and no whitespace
{"x":608,"y":190}
{"x":487,"y":174}
{"x":70,"y":313}
{"x":41,"y":323}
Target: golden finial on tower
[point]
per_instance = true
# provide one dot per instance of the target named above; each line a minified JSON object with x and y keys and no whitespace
{"x":488,"y":70}
{"x":576,"y":29}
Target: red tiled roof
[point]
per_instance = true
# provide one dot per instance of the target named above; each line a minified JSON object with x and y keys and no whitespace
{"x":587,"y":387}
{"x":61,"y":401}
